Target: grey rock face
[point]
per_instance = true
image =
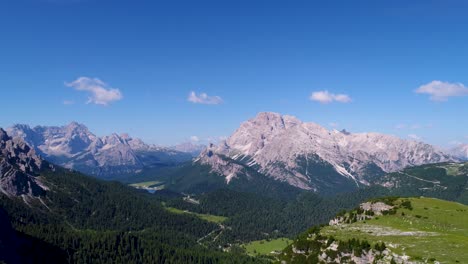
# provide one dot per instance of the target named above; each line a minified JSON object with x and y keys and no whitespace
{"x":298,"y":153}
{"x":19,"y":168}
{"x":74,"y":146}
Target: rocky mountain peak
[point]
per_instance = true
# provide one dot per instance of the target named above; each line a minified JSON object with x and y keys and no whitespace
{"x":19,"y":167}
{"x":274,"y":121}
{"x":305,"y":154}
{"x":76,"y":126}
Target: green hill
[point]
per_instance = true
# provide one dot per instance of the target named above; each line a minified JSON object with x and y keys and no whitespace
{"x":414,"y":230}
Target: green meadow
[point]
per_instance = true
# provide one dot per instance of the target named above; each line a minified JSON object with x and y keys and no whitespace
{"x":265,"y":247}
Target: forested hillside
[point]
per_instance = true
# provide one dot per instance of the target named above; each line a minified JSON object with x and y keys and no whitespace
{"x":85,"y":220}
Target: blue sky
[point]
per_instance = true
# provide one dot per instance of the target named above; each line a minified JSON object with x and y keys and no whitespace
{"x":141,"y":60}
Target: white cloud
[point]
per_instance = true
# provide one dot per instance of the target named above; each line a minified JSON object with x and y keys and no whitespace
{"x":441,"y":91}
{"x":68,"y":102}
{"x":194,"y":139}
{"x":401,"y":126}
{"x":326,"y":97}
{"x":455,"y":142}
{"x":333,"y":124}
{"x":99,"y":91}
{"x":414,"y":137}
{"x":203,"y":98}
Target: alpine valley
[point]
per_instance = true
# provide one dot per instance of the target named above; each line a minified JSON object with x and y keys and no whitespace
{"x":277,"y":190}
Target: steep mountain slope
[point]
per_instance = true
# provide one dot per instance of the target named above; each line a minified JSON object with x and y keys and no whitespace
{"x":308,"y":156}
{"x":74,"y":146}
{"x":389,"y":230}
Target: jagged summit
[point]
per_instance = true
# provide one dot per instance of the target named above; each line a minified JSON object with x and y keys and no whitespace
{"x":308,"y":156}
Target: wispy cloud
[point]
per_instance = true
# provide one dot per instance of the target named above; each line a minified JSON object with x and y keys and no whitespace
{"x":68,"y":102}
{"x":333,"y":124}
{"x":194,"y":139}
{"x":414,"y":137}
{"x":204,"y":98}
{"x":99,"y":92}
{"x":442,"y":91}
{"x":326,"y":97}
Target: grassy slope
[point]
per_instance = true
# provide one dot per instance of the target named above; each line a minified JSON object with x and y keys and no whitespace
{"x":264,"y":247}
{"x":443,"y":228}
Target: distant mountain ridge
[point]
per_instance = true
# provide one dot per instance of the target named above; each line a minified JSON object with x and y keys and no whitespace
{"x":460,"y":151}
{"x":308,"y":156}
{"x":189,"y":147}
{"x":74,"y":146}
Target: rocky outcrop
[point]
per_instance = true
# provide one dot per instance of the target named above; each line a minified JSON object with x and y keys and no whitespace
{"x":19,"y":168}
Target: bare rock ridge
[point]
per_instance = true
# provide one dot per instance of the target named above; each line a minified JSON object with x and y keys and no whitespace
{"x":19,"y":168}
{"x":308,"y":156}
{"x":74,"y":146}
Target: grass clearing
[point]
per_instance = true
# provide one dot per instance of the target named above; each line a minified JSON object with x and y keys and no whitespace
{"x":433,"y":229}
{"x":264,"y":247}
{"x":146,"y":184}
{"x":453,"y":169}
{"x":207,"y":217}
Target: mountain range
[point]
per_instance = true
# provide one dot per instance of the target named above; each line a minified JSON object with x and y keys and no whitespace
{"x":74,"y":146}
{"x":267,"y":150}
{"x":310,"y":157}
